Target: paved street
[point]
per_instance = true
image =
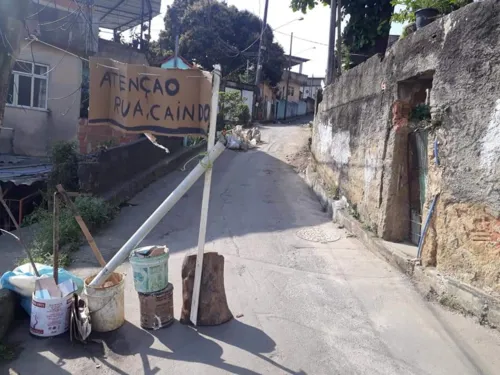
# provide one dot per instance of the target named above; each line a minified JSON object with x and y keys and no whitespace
{"x":310,"y":300}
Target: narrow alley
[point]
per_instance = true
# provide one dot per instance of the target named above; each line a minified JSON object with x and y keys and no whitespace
{"x":307,"y":298}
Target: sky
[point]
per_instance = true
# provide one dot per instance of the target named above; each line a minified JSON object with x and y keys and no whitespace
{"x":314,"y":27}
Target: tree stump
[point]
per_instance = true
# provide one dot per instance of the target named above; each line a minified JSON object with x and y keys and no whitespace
{"x":212,"y":307}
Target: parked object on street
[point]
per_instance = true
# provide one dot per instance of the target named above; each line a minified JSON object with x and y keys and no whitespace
{"x":157,"y":309}
{"x":22,"y":280}
{"x":51,"y":306}
{"x":213,"y":308}
{"x":106,"y":303}
{"x":150,"y":266}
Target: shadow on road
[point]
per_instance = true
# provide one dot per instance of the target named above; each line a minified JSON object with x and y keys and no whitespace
{"x":183,"y":343}
{"x":252,"y":192}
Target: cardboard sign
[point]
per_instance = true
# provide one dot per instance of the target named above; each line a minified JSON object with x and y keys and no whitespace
{"x":140,"y":99}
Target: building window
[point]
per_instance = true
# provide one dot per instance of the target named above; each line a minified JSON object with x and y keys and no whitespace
{"x":291,"y":91}
{"x":28,"y":85}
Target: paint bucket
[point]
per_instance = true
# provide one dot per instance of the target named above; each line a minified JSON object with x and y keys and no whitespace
{"x":106,"y":303}
{"x":50,"y":317}
{"x":157,"y":309}
{"x":150,"y":266}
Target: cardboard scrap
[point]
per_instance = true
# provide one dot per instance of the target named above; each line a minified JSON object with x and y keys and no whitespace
{"x":46,"y":288}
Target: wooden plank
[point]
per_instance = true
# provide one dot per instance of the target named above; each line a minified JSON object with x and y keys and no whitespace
{"x":83,"y":226}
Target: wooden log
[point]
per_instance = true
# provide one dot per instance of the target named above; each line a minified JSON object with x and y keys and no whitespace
{"x":212,"y":309}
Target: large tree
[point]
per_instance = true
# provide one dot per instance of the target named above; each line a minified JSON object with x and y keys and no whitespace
{"x":367,"y":28}
{"x":213,"y":32}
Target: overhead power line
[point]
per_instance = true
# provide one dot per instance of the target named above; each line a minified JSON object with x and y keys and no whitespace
{"x":303,"y":39}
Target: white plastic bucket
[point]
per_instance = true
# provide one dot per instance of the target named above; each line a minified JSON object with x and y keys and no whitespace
{"x":150,"y":273}
{"x":106,"y":303}
{"x":50,"y":317}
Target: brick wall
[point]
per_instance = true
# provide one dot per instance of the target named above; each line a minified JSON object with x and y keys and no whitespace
{"x":91,"y":137}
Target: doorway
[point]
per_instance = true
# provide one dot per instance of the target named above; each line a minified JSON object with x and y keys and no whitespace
{"x":417,"y":181}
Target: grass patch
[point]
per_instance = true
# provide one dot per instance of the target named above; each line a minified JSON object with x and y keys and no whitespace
{"x":95,"y":213}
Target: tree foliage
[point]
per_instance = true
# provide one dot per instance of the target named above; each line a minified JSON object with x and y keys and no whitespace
{"x":368,"y":27}
{"x":213,"y":32}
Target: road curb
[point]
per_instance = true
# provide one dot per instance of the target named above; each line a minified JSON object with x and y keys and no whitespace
{"x":428,"y":281}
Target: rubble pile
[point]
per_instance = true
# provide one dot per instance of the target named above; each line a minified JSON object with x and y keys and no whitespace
{"x":240,"y":139}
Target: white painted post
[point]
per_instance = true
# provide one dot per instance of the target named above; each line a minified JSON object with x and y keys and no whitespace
{"x":206,"y":197}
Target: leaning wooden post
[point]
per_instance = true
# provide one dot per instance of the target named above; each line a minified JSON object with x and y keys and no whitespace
{"x":206,"y":196}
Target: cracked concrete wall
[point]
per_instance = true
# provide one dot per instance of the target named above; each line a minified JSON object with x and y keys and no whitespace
{"x":361,"y":145}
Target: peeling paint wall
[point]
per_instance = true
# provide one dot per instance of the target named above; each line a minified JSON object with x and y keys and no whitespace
{"x":360,"y":140}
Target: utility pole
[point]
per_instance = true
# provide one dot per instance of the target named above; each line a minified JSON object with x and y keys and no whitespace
{"x":339,"y":37}
{"x":258,"y":74}
{"x":330,"y":69}
{"x":288,"y":74}
{"x":176,"y":51}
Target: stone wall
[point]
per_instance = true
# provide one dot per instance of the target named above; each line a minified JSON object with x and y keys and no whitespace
{"x":360,"y":140}
{"x":107,"y":170}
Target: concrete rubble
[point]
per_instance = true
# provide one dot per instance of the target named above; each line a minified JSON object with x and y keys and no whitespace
{"x":239,"y":138}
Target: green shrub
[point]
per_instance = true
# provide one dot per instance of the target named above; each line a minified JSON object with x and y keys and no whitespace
{"x":64,"y":158}
{"x":232,"y":108}
{"x":243,"y":114}
{"x":95,"y":213}
{"x":421,"y":112}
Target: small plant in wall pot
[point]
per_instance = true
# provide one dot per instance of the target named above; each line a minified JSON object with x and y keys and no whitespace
{"x":423,"y":12}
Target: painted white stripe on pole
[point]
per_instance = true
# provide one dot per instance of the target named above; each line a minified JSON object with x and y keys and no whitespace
{"x":206,"y":198}
{"x":158,"y":214}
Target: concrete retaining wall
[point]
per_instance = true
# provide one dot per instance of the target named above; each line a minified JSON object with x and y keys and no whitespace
{"x":106,"y":170}
{"x":360,"y":140}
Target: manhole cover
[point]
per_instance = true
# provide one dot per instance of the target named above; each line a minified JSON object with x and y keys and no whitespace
{"x":315,"y":234}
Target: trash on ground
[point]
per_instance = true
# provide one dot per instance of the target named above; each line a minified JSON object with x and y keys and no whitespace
{"x":22,"y":280}
{"x":238,"y":138}
{"x":51,"y":306}
{"x":80,"y":327}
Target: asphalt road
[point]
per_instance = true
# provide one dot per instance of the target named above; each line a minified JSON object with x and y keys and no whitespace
{"x":309,"y":299}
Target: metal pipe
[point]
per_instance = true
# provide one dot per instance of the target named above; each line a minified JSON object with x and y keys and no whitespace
{"x":426,"y":226}
{"x":158,"y":214}
{"x":55,"y":237}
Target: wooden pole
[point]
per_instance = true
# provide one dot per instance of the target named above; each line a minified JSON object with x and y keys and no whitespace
{"x":83,"y":227}
{"x":206,"y":197}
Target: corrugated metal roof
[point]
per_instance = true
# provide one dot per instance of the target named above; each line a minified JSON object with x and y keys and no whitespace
{"x":23,"y":170}
{"x":25,"y":175}
{"x":123,"y":14}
